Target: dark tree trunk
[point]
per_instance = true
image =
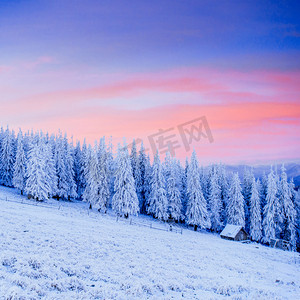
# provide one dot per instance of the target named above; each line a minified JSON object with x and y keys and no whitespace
{"x":21,"y":192}
{"x":195,"y":227}
{"x":126,"y":216}
{"x":90,"y":206}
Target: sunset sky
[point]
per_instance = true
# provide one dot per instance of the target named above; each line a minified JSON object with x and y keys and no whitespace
{"x":129,"y":69}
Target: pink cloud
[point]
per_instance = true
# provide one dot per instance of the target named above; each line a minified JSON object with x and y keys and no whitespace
{"x":257,"y":80}
{"x":208,"y":85}
{"x":125,"y":89}
{"x":241,"y":132}
{"x":27,"y":65}
{"x":42,"y":60}
{"x":4,"y":69}
{"x":252,"y":115}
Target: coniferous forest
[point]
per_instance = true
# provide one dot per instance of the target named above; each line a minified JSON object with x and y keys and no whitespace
{"x":45,"y":166}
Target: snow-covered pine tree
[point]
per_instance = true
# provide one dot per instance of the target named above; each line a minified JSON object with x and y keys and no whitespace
{"x":196,"y":213}
{"x":19,"y":175}
{"x":61,"y":170}
{"x":14,"y":144}
{"x":77,"y":168}
{"x":280,"y":213}
{"x":1,"y":135}
{"x":136,"y":172}
{"x":69,"y":165}
{"x":134,"y":159}
{"x":184,"y":190}
{"x":271,"y":209}
{"x":173,"y":193}
{"x":86,"y":174}
{"x":91,"y":193}
{"x":224,"y":185}
{"x":289,"y":212}
{"x":292,"y":190}
{"x":263,"y":191}
{"x":180,"y":183}
{"x":158,"y":202}
{"x":236,"y":207}
{"x":125,"y":201}
{"x":49,"y":148}
{"x":246,"y":191}
{"x":255,"y":213}
{"x":7,"y":157}
{"x":205,"y":178}
{"x":179,"y":170}
{"x":35,"y":138}
{"x":26,"y":142}
{"x":103,"y":173}
{"x":147,"y":182}
{"x":215,"y":202}
{"x":259,"y":188}
{"x":167,"y":165}
{"x":140,"y":181}
{"x":83,"y":169}
{"x":111,"y":169}
{"x":37,"y":184}
{"x":296,"y":201}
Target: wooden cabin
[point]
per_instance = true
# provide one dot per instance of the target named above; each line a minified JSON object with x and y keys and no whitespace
{"x":234,"y":233}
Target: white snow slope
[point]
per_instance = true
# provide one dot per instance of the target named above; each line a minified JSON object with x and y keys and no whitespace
{"x":51,"y":253}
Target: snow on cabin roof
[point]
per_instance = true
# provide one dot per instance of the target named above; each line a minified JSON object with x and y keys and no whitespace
{"x":231,"y":230}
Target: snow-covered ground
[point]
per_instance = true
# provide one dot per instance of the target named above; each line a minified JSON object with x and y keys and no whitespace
{"x":62,"y":252}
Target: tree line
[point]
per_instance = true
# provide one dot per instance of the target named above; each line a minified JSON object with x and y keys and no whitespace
{"x":47,"y":166}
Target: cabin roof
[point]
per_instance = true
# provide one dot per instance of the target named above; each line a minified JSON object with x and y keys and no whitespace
{"x":231,"y":230}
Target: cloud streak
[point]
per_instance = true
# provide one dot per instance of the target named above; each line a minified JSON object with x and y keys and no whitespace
{"x":42,"y":60}
{"x":207,"y":84}
{"x":241,"y":131}
{"x":251,"y":111}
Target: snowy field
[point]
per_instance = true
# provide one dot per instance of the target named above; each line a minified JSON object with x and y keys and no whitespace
{"x":61,"y":252}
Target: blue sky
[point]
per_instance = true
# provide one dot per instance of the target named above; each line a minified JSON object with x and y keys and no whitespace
{"x":82,"y":65}
{"x":153,"y":34}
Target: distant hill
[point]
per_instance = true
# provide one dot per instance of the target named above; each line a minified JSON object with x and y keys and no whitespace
{"x":292,"y":170}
